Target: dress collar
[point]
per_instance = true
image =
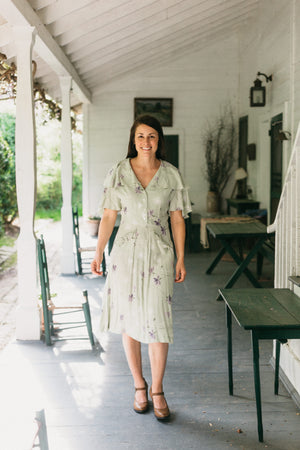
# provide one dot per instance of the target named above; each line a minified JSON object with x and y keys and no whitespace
{"x":159,"y":179}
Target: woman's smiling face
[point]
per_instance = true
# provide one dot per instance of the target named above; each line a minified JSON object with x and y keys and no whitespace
{"x":146,"y":140}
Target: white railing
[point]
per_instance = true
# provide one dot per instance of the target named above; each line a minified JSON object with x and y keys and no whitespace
{"x":287,"y":223}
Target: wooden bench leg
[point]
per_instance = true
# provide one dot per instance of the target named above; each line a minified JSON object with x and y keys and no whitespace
{"x":104,"y":264}
{"x":255,"y":350}
{"x":229,"y":349}
{"x":277,"y":361}
{"x":87,"y":315}
{"x":79,"y":262}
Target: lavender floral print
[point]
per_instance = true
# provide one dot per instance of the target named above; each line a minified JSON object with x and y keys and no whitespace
{"x":137,"y":297}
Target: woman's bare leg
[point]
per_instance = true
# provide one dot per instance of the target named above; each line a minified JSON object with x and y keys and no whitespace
{"x":134,"y":358}
{"x":158,"y":353}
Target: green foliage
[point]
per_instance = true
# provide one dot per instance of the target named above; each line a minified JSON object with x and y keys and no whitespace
{"x":7,"y":129}
{"x":53,"y":214}
{"x":8,"y":241}
{"x":8,"y":198}
{"x":49,"y":195}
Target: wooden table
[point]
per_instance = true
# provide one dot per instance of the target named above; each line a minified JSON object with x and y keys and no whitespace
{"x":219,"y":219}
{"x":268,"y":314}
{"x":226,"y":233}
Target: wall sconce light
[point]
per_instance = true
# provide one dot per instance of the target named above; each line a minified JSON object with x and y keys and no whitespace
{"x":284,"y":135}
{"x":258,"y":92}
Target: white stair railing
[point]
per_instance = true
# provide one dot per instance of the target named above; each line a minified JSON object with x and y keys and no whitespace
{"x":287,"y":258}
{"x":287,"y":223}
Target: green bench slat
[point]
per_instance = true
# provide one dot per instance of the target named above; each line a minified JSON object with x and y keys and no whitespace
{"x":242,"y":302}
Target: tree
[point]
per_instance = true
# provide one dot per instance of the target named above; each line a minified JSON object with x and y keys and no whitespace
{"x":8,"y":197}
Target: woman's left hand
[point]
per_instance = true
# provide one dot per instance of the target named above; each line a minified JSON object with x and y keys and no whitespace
{"x":180,"y":271}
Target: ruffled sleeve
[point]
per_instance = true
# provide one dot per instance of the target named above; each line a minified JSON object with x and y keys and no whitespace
{"x":179,"y":199}
{"x":111,"y":195}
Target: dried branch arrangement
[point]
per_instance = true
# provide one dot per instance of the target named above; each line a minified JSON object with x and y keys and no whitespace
{"x":219,"y":139}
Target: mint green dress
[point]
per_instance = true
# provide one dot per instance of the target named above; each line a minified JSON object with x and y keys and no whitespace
{"x":138,"y":291}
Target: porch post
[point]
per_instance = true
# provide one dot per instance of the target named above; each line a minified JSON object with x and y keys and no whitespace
{"x":85,"y":162}
{"x":68,"y":266}
{"x":27,"y":315}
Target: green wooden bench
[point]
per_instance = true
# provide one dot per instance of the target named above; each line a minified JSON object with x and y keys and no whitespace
{"x":267,"y":314}
{"x":52,"y":328}
{"x":267,"y":250}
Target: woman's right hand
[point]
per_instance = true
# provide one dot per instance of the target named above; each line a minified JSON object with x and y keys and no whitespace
{"x":96,"y":264}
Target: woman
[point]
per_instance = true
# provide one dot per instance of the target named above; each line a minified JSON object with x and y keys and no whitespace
{"x":138,"y":291}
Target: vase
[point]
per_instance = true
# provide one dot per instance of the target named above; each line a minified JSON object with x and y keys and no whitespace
{"x":213,"y":202}
{"x":93,"y":225}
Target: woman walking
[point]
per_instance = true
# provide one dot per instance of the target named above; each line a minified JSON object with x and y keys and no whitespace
{"x":146,"y":190}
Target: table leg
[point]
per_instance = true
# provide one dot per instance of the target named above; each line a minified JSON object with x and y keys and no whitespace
{"x":215,"y":261}
{"x":229,"y":348}
{"x":257,"y":384}
{"x":242,"y":265}
{"x":277,"y":359}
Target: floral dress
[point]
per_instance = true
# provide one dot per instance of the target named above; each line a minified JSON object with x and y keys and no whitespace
{"x":139,"y":286}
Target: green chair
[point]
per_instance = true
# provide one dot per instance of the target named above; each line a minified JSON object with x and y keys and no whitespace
{"x":52,"y":329}
{"x":81,"y":261}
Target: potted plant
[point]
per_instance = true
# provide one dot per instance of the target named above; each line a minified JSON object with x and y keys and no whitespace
{"x":219,"y":140}
{"x":93,"y":225}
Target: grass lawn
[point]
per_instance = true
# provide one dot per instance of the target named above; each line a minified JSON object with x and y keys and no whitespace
{"x":7,"y":241}
{"x":48,"y":214}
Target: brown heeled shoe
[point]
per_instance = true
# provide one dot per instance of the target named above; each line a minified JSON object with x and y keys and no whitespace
{"x":141,"y":407}
{"x":160,"y":413}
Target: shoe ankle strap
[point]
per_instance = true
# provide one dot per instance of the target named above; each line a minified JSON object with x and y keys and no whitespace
{"x":141,"y":389}
{"x":158,"y":393}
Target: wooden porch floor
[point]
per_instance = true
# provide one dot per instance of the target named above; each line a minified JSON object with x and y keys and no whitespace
{"x":83,"y":398}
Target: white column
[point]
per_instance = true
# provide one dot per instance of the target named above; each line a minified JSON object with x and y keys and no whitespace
{"x":28,"y":316}
{"x":68,"y":266}
{"x":85,"y":161}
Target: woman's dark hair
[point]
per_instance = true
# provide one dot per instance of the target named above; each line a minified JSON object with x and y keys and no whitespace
{"x":153,"y":123}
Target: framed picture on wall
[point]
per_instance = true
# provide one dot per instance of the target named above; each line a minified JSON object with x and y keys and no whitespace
{"x":161,"y":108}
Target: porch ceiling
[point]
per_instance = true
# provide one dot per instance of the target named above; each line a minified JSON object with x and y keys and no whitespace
{"x":101,"y":40}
